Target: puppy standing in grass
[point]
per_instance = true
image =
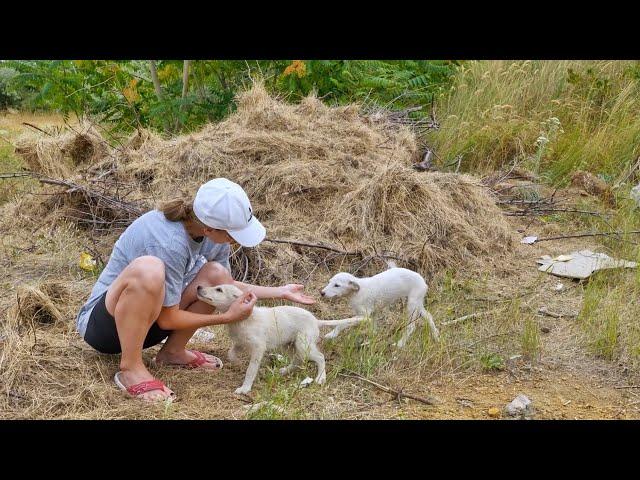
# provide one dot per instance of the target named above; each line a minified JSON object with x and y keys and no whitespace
{"x":367,"y":295}
{"x":270,"y":328}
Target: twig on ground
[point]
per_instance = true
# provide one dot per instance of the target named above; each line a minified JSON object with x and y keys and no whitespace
{"x":544,"y":311}
{"x":589,"y":234}
{"x":336,"y":250}
{"x":397,"y":393}
{"x":15,"y":175}
{"x":468,"y":317}
{"x":37,"y":128}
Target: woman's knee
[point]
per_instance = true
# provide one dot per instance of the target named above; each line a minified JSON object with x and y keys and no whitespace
{"x":147,"y":272}
{"x":215,"y":274}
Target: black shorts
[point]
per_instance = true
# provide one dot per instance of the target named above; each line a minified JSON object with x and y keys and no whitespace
{"x":102,"y":333}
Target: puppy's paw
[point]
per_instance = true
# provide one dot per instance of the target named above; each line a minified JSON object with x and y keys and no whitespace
{"x":321,"y":379}
{"x":243,"y":390}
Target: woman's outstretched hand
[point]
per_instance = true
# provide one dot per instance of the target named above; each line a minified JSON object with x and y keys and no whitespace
{"x":294,"y":292}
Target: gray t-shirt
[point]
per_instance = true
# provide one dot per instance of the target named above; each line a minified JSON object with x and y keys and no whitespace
{"x":153,"y":234}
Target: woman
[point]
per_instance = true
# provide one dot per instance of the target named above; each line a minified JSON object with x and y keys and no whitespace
{"x":147,"y":291}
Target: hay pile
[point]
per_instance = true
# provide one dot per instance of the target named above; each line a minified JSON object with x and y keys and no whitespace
{"x":314,"y":173}
{"x":59,"y":155}
{"x":38,"y":305}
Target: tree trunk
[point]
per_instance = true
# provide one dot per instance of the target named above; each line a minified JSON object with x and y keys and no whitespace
{"x":154,"y":77}
{"x":185,"y":78}
{"x":185,"y":89}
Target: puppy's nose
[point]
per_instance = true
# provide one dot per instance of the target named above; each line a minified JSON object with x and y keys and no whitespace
{"x":322,"y":292}
{"x":199,"y":288}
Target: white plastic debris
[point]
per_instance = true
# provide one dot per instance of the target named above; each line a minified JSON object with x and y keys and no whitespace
{"x":635,"y":194}
{"x":529,"y":240}
{"x":581,"y":265}
{"x":559,"y":287}
{"x":306,"y":382}
{"x":203,"y":335}
{"x":520,"y":406}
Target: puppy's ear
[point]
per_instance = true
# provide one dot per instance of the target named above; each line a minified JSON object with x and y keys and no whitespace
{"x":354,"y":285}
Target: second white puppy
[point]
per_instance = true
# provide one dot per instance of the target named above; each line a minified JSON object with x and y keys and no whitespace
{"x":366,"y":295}
{"x":269,"y":328}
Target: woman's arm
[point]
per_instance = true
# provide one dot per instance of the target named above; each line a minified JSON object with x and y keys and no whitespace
{"x":172,"y":318}
{"x":293,"y":292}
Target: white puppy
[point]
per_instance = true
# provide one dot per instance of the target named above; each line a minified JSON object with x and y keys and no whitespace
{"x":368,"y":295}
{"x":270,"y":328}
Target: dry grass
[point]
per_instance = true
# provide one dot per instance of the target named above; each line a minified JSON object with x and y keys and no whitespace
{"x":317,"y":174}
{"x":587,"y":110}
{"x":313,"y":173}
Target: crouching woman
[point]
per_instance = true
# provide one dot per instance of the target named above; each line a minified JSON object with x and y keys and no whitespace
{"x":147,"y":291}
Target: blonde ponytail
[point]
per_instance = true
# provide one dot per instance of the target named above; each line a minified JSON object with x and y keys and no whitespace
{"x":178,"y":210}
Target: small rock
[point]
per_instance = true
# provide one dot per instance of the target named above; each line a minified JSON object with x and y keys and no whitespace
{"x":545,"y":329}
{"x":520,"y":406}
{"x":494,"y":412}
{"x":559,"y":287}
{"x":306,"y":382}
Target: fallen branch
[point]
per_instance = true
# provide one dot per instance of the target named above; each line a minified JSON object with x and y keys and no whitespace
{"x":591,"y":234}
{"x":336,"y":250}
{"x":544,"y":311}
{"x":468,"y":317}
{"x":37,"y":128}
{"x":541,"y":211}
{"x":311,"y":245}
{"x":397,"y":393}
{"x":15,"y":175}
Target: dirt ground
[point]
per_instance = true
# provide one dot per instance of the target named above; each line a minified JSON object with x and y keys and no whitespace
{"x":565,"y":382}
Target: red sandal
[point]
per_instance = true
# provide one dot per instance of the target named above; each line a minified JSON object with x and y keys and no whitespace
{"x":144,"y":387}
{"x":197,"y":362}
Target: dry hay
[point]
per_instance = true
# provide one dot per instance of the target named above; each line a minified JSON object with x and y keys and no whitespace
{"x":318,"y":174}
{"x":38,"y":305}
{"x":58,"y":155}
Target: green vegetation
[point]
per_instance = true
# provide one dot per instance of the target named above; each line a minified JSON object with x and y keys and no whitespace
{"x":550,"y":116}
{"x":123,"y":93}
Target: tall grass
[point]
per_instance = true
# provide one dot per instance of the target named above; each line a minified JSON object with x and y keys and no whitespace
{"x":558,"y":116}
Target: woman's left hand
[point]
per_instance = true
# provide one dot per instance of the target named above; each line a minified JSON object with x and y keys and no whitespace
{"x":294,"y":292}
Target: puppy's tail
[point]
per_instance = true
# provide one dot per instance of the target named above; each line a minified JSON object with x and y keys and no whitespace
{"x":344,"y":322}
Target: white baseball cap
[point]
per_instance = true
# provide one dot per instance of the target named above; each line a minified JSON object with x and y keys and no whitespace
{"x":224,"y":205}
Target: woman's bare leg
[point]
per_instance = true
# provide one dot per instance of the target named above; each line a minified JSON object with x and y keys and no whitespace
{"x":134,"y":299}
{"x":173,"y":350}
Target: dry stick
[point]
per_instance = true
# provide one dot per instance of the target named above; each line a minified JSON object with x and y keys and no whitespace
{"x":539,"y":211}
{"x":544,"y":311}
{"x":469,"y":317}
{"x":14,"y":175}
{"x":580,"y":235}
{"x":37,"y":128}
{"x":627,"y":386}
{"x":397,"y":393}
{"x":331,"y":249}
